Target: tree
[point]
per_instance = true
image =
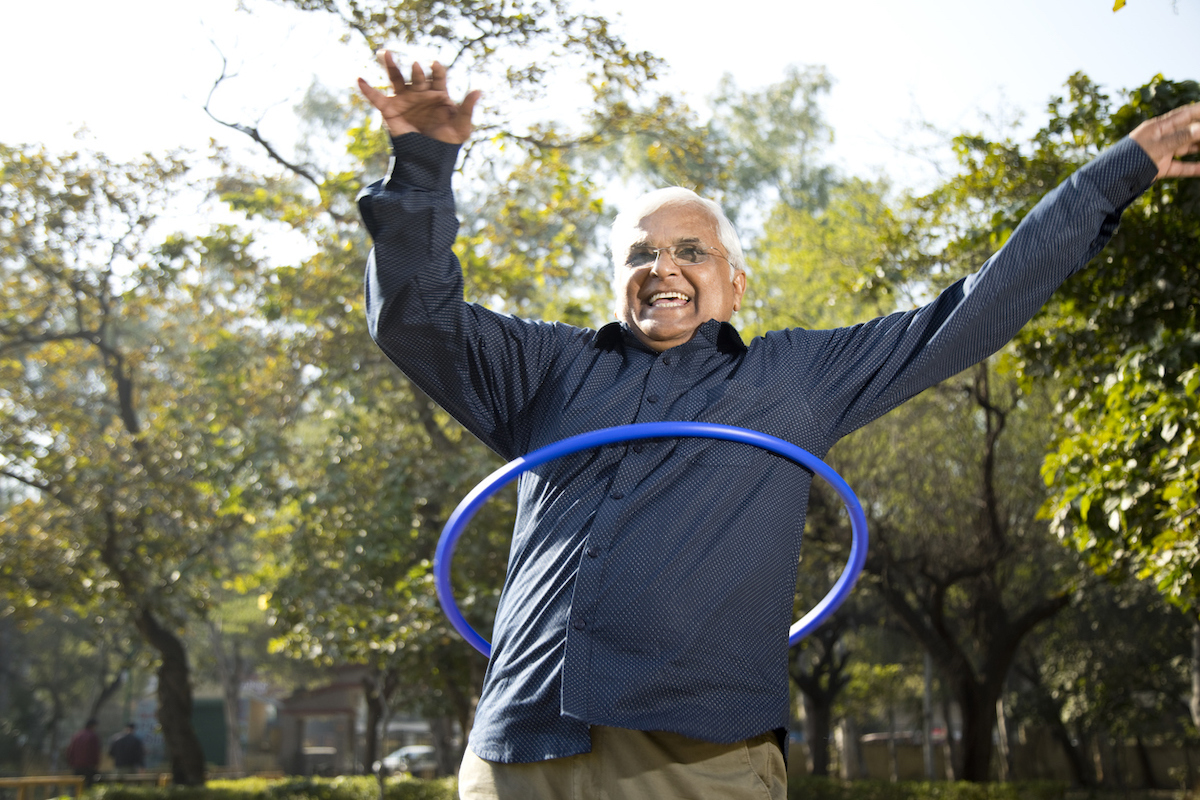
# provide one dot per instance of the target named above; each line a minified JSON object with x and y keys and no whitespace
{"x":1119,"y":343}
{"x":820,"y":665}
{"x":141,"y":412}
{"x":809,"y":269}
{"x":59,"y":669}
{"x":957,"y":553}
{"x":1123,"y":468}
{"x":1114,"y":664}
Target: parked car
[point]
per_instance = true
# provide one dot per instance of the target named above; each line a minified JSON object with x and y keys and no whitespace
{"x":418,"y":759}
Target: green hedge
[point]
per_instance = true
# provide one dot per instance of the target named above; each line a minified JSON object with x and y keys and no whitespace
{"x":362,"y":787}
{"x":365,"y":788}
{"x":813,"y":788}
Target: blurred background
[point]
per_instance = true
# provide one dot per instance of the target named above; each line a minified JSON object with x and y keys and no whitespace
{"x":219,"y":502}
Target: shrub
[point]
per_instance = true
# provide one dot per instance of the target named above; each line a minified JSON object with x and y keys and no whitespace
{"x":362,"y":787}
{"x":814,"y":788}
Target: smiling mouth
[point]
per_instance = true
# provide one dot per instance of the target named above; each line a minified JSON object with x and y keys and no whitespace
{"x":668,"y":299}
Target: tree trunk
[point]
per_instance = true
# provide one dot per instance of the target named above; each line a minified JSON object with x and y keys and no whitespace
{"x":230,"y":669}
{"x":953,"y":751}
{"x":818,"y":727}
{"x":1076,"y":755}
{"x":1006,"y":763}
{"x":853,"y":767}
{"x":174,"y":702}
{"x":376,"y":745}
{"x":1148,"y":781}
{"x":927,"y":719}
{"x":374,"y":739}
{"x":979,"y":718}
{"x":55,"y":727}
{"x":893,"y":756}
{"x":448,"y":756}
{"x":107,"y":689}
{"x":1194,"y":703}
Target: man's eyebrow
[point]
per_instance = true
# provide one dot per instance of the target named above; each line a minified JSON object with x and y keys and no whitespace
{"x":644,"y":244}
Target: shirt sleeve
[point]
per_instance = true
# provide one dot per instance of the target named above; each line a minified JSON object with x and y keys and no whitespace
{"x":484,"y":368}
{"x":864,"y":371}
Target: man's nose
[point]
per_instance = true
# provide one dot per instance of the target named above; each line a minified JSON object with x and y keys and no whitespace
{"x":663,"y":264}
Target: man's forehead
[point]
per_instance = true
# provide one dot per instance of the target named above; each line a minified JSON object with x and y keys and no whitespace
{"x":678,"y":222}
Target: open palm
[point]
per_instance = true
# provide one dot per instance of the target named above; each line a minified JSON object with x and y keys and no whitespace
{"x":422,"y":105}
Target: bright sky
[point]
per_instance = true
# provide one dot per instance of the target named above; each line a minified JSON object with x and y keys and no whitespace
{"x":136,"y":72}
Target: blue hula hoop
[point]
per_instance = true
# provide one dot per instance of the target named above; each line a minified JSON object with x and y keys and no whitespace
{"x":652,"y":430}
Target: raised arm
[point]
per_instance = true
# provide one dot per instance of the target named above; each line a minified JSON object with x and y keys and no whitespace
{"x":482,"y":367}
{"x":869,"y":369}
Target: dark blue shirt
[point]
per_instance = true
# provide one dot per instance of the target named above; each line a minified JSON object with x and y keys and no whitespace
{"x":650,"y":585}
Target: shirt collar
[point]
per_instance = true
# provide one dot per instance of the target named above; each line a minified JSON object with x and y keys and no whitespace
{"x":721,"y":335}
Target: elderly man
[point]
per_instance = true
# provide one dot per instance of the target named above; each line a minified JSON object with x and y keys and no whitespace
{"x":640,"y":644}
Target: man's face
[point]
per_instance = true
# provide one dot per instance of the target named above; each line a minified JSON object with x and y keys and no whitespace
{"x":662,"y":303}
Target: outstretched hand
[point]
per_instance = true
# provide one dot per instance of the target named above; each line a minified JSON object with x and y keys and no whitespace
{"x":421,"y":105}
{"x":1168,"y":137}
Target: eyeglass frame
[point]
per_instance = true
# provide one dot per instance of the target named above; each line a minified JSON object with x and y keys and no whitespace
{"x":657,"y":251}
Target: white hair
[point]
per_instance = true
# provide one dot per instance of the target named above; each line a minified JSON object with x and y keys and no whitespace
{"x":622,"y":233}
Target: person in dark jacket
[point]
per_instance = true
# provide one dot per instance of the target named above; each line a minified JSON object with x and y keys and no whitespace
{"x":128,"y":753}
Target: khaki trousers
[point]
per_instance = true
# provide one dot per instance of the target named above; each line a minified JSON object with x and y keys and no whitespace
{"x":636,"y":765}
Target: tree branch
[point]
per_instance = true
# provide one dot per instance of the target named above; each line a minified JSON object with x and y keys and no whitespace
{"x":253,"y":132}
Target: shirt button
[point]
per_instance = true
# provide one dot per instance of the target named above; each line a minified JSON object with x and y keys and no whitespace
{"x":667,"y":360}
{"x":579,"y":624}
{"x":593,"y":552}
{"x":618,"y":495}
{"x":652,"y":398}
{"x":637,"y":448}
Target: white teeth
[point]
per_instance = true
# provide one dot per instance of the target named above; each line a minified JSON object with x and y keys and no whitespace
{"x":654,"y":298}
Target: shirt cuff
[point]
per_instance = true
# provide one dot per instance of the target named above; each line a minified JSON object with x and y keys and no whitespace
{"x":1121,"y":173}
{"x":420,"y":162}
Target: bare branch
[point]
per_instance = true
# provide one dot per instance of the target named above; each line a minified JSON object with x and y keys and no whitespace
{"x":253,"y":132}
{"x":22,"y":339}
{"x":41,"y":486}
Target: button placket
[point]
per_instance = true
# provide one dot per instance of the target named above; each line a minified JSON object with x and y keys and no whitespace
{"x":630,"y":472}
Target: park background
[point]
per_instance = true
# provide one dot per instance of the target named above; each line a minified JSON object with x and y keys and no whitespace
{"x":220,"y":501}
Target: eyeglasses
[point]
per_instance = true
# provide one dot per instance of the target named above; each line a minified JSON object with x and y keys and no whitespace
{"x":683,"y":255}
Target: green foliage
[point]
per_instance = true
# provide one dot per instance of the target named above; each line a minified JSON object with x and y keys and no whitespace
{"x":1119,"y":342}
{"x":529,"y":246}
{"x":1129,"y":485}
{"x":143,"y":407}
{"x":813,"y":788}
{"x":365,"y":788}
{"x":772,"y":139}
{"x":881,"y":689}
{"x":1125,"y":465}
{"x":344,"y":788}
{"x":1116,"y":663}
{"x":142,"y":459}
{"x":818,"y":267}
{"x":758,"y":149}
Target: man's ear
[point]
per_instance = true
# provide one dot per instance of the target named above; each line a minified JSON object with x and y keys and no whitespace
{"x":739,"y":288}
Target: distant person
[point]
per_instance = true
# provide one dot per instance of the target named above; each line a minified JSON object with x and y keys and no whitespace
{"x":83,"y":752}
{"x":127,"y":751}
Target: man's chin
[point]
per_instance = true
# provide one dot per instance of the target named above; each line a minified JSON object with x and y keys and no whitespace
{"x":662,"y":337}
